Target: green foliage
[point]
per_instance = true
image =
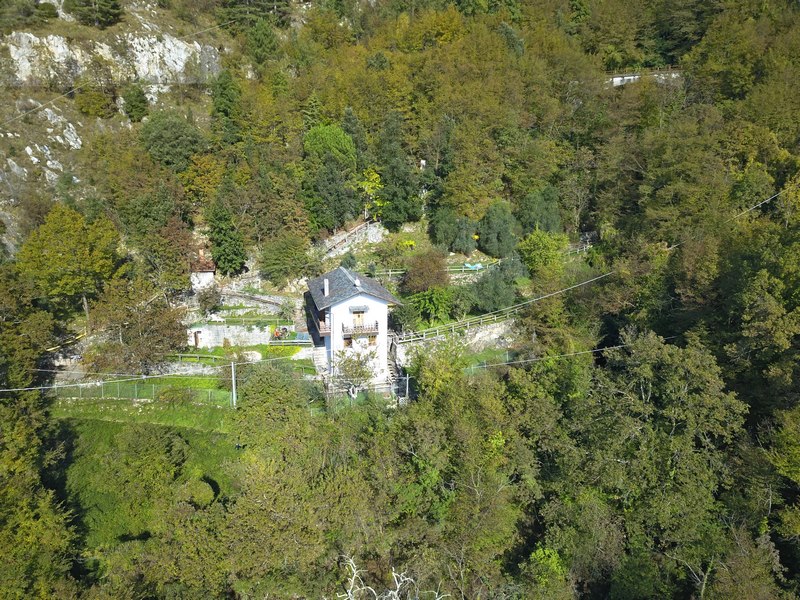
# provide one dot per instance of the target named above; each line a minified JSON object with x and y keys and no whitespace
{"x":21,"y":13}
{"x":494,"y":290}
{"x":425,"y":271}
{"x":284,"y":257}
{"x":398,"y":201}
{"x":262,"y":43}
{"x":324,"y":140}
{"x":349,"y":261}
{"x":496,"y":231}
{"x":144,"y":328}
{"x":99,"y":13}
{"x":68,"y":259}
{"x":95,"y":102}
{"x":543,"y":254}
{"x":539,"y":210}
{"x":453,"y":232}
{"x":225,"y":100}
{"x":227,"y":244}
{"x":137,"y":105}
{"x":433,"y":304}
{"x":171,"y":140}
{"x":209,"y":299}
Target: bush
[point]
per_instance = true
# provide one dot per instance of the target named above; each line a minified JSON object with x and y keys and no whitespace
{"x":136,"y":103}
{"x":433,"y":304}
{"x":349,"y":261}
{"x":425,"y":271}
{"x":452,"y":231}
{"x":100,"y":13}
{"x":176,"y":396}
{"x":282,"y":257}
{"x":496,"y":231}
{"x":209,"y":299}
{"x":539,"y":210}
{"x":171,"y":140}
{"x":543,"y":253}
{"x":494,"y":290}
{"x":95,"y":102}
{"x":405,"y":317}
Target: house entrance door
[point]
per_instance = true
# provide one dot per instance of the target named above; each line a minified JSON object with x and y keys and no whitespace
{"x":358,"y":319}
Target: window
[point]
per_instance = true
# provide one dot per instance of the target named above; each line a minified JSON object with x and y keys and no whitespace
{"x":373,"y":340}
{"x":348,"y":342}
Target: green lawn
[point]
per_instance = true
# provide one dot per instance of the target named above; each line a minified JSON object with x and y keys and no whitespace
{"x":196,"y":416}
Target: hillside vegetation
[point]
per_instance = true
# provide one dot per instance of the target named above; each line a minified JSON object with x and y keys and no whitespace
{"x":643,"y":442}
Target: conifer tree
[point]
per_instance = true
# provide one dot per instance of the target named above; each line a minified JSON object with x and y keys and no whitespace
{"x":227,"y":244}
{"x":99,"y":13}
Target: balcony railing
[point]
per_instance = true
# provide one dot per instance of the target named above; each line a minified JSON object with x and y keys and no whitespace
{"x":324,"y":328}
{"x":360,"y":329}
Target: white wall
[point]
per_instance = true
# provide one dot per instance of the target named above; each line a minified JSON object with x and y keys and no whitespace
{"x":339,"y":314}
{"x":213,"y":336}
{"x":201,"y":280}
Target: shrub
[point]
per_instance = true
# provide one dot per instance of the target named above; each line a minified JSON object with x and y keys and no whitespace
{"x":496,"y":231}
{"x":425,"y":271}
{"x":539,"y":210}
{"x":136,"y":103}
{"x":405,"y":317}
{"x":493,"y":291}
{"x":452,"y":231}
{"x":282,"y":257}
{"x":209,"y":299}
{"x":95,"y":102}
{"x":543,"y":253}
{"x":433,"y":304}
{"x":171,"y":140}
{"x":349,"y":261}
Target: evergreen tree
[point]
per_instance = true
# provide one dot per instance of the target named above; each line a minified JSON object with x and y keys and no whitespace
{"x":100,"y":13}
{"x":136,"y":103}
{"x":225,"y":101}
{"x":227,"y":244}
{"x":496,"y":231}
{"x":353,"y":127}
{"x":400,"y":200}
{"x":261,"y":43}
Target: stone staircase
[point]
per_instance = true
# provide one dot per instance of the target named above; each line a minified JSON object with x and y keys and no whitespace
{"x":320,"y":359}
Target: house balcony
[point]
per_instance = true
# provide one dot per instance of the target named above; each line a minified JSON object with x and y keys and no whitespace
{"x":363,"y":329}
{"x":324,"y":328}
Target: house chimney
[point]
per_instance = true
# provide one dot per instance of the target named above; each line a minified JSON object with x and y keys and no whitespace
{"x":326,"y":287}
{"x":357,"y":282}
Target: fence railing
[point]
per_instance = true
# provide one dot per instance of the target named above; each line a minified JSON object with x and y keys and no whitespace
{"x":132,"y":390}
{"x":454,"y":269}
{"x":485,"y":319}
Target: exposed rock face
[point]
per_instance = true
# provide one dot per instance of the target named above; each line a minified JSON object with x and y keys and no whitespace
{"x":153,"y":58}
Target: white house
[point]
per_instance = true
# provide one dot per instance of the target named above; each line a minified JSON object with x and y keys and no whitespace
{"x":351,"y":314}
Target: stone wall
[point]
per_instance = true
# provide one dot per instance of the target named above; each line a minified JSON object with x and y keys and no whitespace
{"x":213,"y":336}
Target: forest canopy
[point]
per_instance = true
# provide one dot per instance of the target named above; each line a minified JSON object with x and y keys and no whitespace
{"x":645,"y":440}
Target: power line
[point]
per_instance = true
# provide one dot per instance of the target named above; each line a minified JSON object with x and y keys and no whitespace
{"x":142,"y":377}
{"x":733,"y":218}
{"x":555,"y":356}
{"x":83,"y":85}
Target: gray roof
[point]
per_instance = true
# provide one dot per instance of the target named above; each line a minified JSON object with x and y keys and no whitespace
{"x":342,"y":285}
